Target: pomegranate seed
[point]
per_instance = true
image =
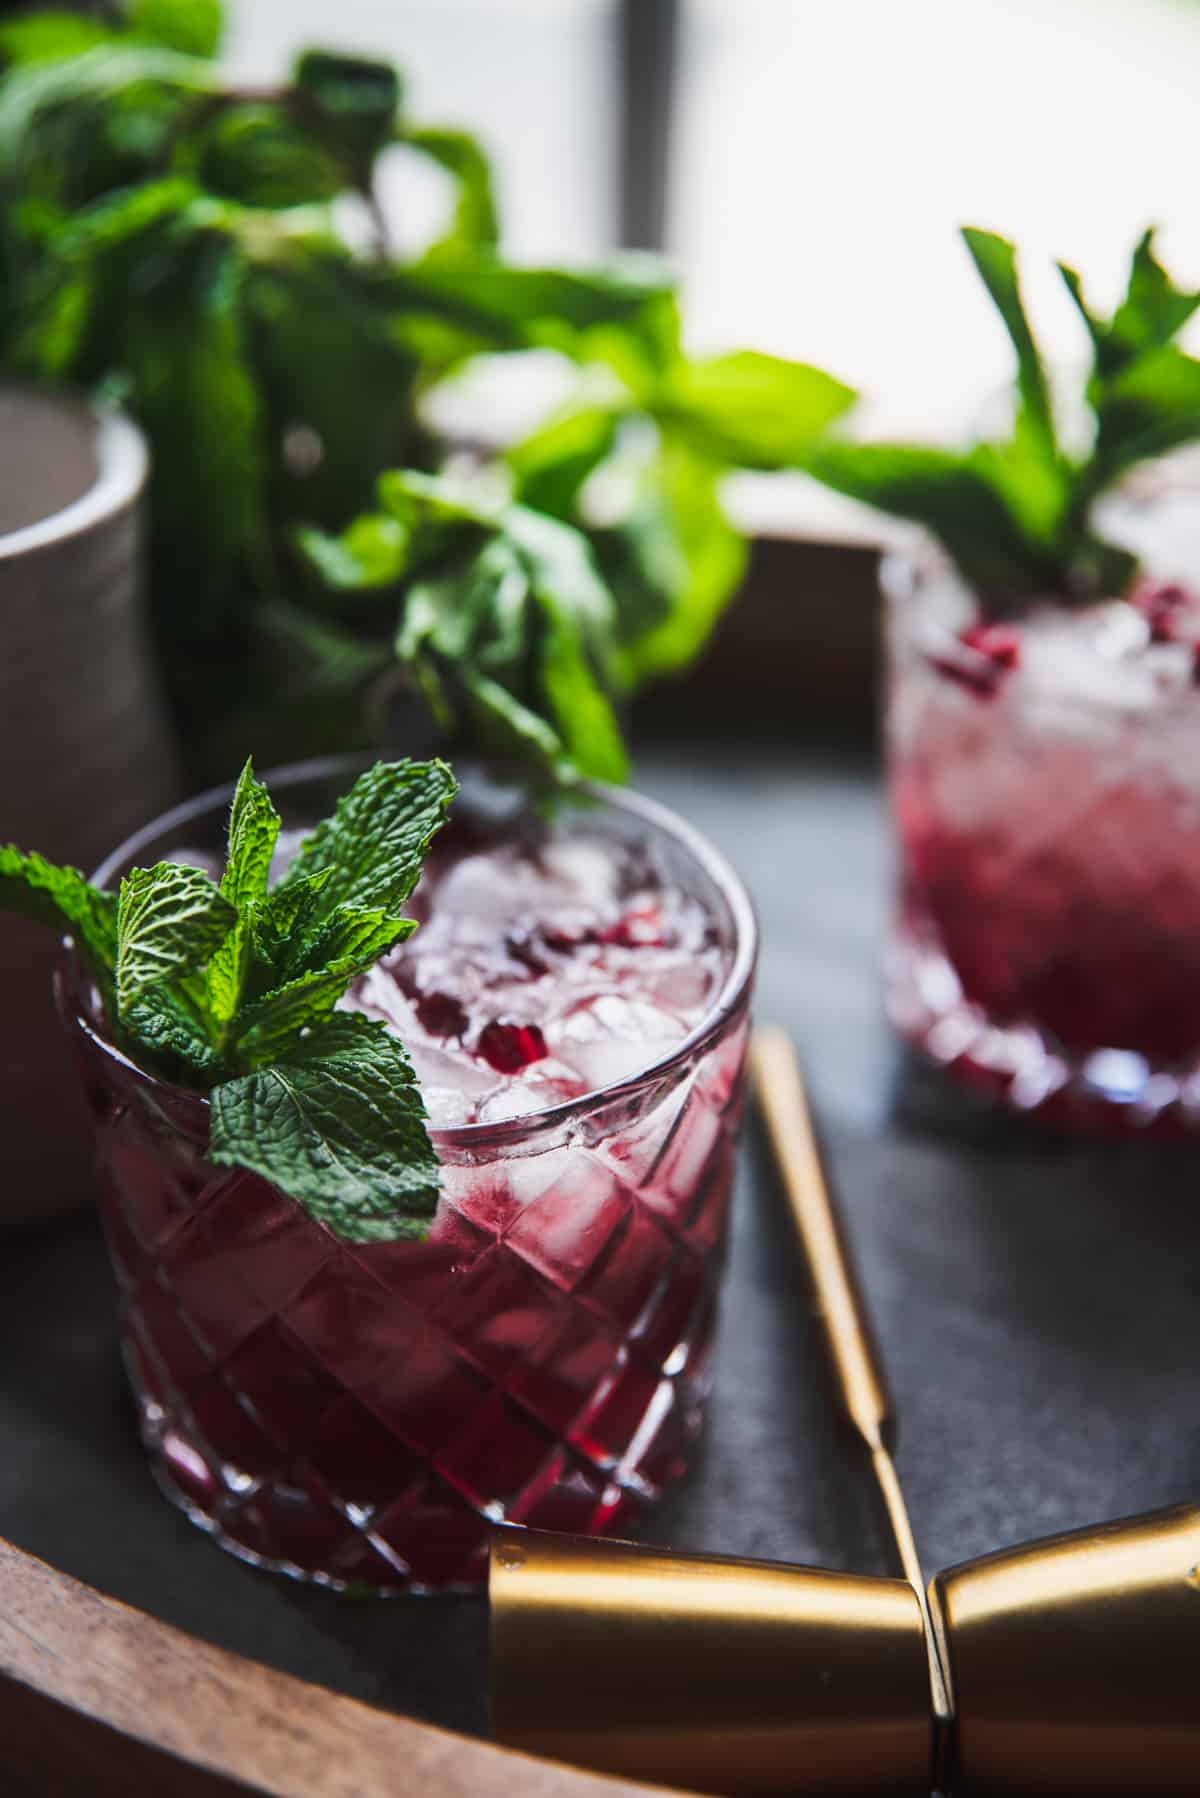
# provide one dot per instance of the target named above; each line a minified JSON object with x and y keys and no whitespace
{"x":520,"y":948}
{"x":1001,"y":643}
{"x":441,"y":1014}
{"x":1163,"y":604}
{"x":509,"y":1047}
{"x":404,"y":977}
{"x":995,"y":652}
{"x":563,"y":938}
{"x":640,"y":928}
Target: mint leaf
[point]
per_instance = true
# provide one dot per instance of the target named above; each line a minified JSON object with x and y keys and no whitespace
{"x":355,"y":100}
{"x":359,"y":937}
{"x":227,"y":972}
{"x":1097,"y":327}
{"x":475,"y":225}
{"x":510,"y":732}
{"x":576,"y":641}
{"x":166,"y":1030}
{"x":373,"y":551}
{"x":328,"y":363}
{"x":291,"y":912}
{"x":338,"y":1124}
{"x":627,"y":309}
{"x":170,"y":919}
{"x":49,"y":36}
{"x":431,"y":507}
{"x":751,"y":409}
{"x":1154,"y":310}
{"x":683,"y":560}
{"x":350,"y":943}
{"x":371,"y":849}
{"x":995,"y":260}
{"x":185,"y":352}
{"x":258,"y":154}
{"x":192,"y":26}
{"x":953,"y":498}
{"x":267,"y":1027}
{"x":63,"y":899}
{"x":253,"y":833}
{"x":1150,"y":406}
{"x":551,"y":465}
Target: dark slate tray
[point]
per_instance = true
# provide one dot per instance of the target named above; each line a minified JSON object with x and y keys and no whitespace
{"x":1038,"y":1301}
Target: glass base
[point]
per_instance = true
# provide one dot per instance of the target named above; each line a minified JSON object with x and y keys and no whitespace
{"x":298,"y":1526}
{"x":1019,"y":1066}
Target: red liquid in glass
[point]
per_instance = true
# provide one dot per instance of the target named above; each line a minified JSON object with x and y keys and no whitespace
{"x":359,"y":1414}
{"x":1045,"y":793}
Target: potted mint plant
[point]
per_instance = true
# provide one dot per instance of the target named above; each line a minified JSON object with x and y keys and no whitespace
{"x":416,"y":1195}
{"x":179,"y":241}
{"x":1043,"y":717}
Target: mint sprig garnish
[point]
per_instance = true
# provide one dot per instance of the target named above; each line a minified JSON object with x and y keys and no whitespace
{"x":232,"y":989}
{"x":336,"y":1120}
{"x":1015,"y":512}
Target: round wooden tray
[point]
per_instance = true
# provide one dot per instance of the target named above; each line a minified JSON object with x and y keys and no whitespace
{"x":1036,"y":1300}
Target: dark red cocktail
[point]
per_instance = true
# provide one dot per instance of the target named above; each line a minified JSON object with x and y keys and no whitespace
{"x":1044,"y":788}
{"x":575,"y":1003}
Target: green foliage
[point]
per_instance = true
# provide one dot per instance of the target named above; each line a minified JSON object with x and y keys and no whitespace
{"x":1015,"y":513}
{"x":676,"y":427}
{"x":505,"y":619}
{"x":232,"y":989}
{"x":954,"y":496}
{"x":49,"y":36}
{"x":181,"y":244}
{"x":678,"y":547}
{"x":475,"y":224}
{"x":354,"y":101}
{"x":193,"y":26}
{"x":751,"y":410}
{"x":260,"y":156}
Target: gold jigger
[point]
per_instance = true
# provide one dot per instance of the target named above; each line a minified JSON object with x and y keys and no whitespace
{"x":717,"y":1675}
{"x":1062,"y":1669}
{"x":1076,"y":1662}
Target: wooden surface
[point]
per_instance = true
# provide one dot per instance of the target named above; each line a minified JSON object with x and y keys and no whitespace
{"x":102,"y":1700}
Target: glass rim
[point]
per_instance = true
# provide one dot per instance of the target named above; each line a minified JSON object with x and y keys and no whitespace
{"x":733,"y":993}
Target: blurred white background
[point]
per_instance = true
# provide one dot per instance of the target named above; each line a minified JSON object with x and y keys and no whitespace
{"x":825,"y":156}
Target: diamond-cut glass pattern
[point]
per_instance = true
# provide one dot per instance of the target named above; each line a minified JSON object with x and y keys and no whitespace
{"x":359,"y":1415}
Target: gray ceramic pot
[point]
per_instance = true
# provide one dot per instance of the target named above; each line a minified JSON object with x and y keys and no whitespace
{"x":85,"y":755}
